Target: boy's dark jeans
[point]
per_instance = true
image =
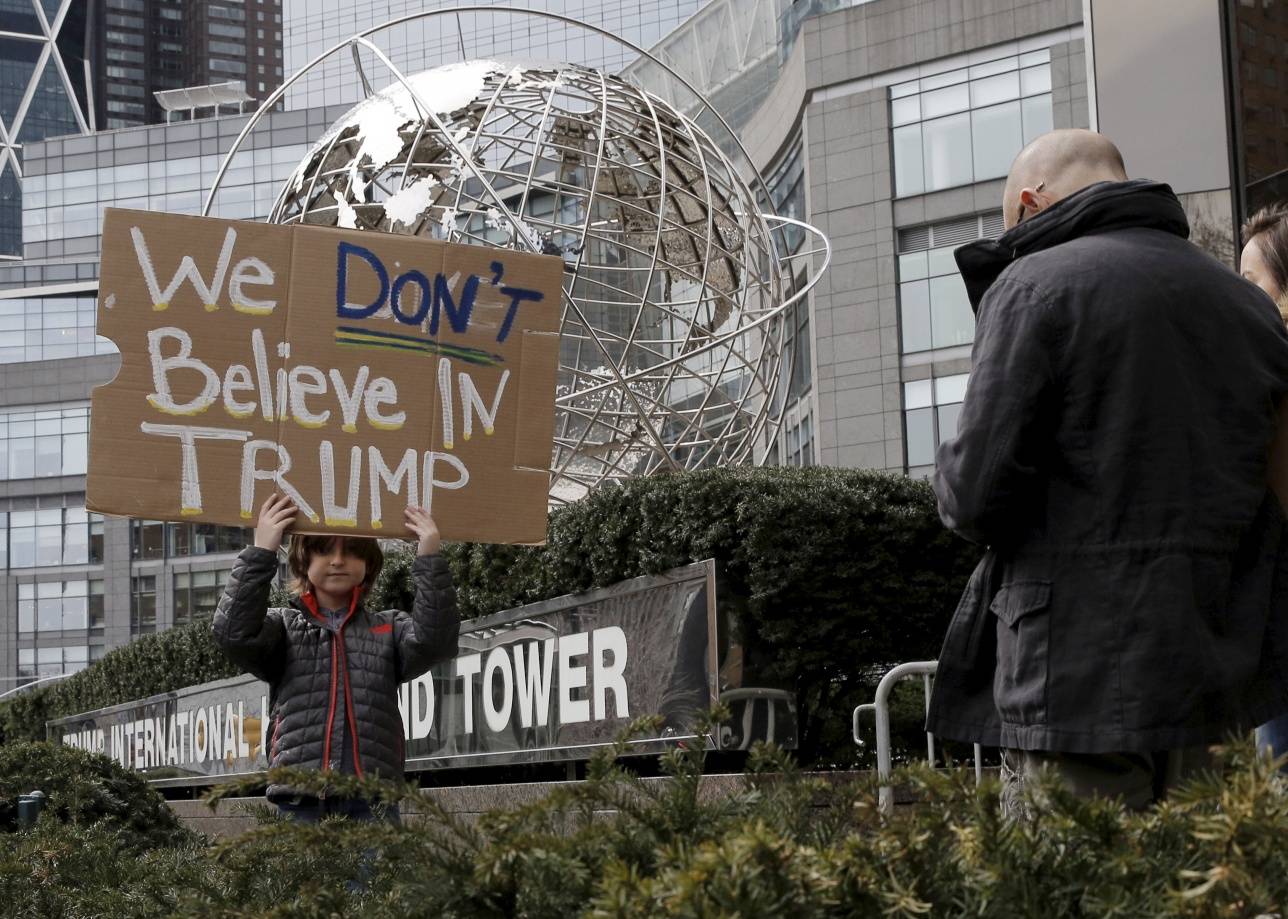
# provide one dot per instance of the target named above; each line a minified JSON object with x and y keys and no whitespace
{"x":1273,"y":737}
{"x":313,"y":810}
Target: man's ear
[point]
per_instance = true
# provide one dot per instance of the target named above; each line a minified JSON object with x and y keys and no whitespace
{"x":1032,"y":199}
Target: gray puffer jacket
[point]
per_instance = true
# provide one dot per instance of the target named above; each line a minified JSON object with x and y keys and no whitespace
{"x":324,"y":690}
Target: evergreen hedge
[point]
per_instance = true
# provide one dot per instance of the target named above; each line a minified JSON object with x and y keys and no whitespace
{"x":86,"y":789}
{"x":825,"y":576}
{"x":785,"y":844}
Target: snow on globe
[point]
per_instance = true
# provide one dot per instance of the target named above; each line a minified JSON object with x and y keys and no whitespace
{"x":671,"y":332}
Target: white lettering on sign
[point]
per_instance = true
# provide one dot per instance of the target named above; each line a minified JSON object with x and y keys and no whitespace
{"x":532,"y":680}
{"x":497,"y":715}
{"x":572,"y":711}
{"x":248,"y":272}
{"x":415,"y":478}
{"x":466,"y":667}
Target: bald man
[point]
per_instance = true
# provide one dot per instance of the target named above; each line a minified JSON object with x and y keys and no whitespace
{"x":1111,"y":453}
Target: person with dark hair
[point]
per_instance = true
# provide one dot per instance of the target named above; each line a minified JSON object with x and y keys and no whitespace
{"x":1113,"y":455}
{"x":333,"y":666}
{"x":1264,"y":261}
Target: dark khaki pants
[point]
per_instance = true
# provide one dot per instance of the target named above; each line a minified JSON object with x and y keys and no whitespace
{"x":1138,"y":779}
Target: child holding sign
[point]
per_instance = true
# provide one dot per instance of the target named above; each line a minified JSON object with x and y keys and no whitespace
{"x":332,"y":665}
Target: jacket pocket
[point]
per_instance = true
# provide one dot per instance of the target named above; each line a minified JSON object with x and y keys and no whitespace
{"x":1022,"y":609}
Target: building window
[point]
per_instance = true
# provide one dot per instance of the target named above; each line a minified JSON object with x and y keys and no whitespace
{"x":197,"y":593}
{"x":224,"y":12}
{"x":95,"y":608}
{"x":152,"y":539}
{"x":786,"y":184}
{"x":52,"y":530}
{"x":147,"y":540}
{"x":125,"y":108}
{"x":930,"y":410}
{"x":799,"y":441}
{"x":125,"y":38}
{"x":143,"y":604}
{"x":797,"y":347}
{"x":60,"y":606}
{"x":967,"y":125}
{"x":224,"y":66}
{"x":184,"y":539}
{"x":934,"y":311}
{"x":38,"y":663}
{"x":225,"y":47}
{"x":121,"y":55}
{"x":125,"y":73}
{"x":42,"y":443}
{"x":42,"y":328}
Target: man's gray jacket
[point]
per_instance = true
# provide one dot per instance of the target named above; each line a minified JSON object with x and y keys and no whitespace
{"x":1111,"y":453}
{"x":329,"y":690}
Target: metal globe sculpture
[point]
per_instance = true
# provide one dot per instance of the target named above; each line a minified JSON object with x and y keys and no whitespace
{"x":673,"y":285}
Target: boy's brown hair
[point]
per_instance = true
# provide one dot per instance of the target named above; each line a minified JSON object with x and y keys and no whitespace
{"x":303,"y":548}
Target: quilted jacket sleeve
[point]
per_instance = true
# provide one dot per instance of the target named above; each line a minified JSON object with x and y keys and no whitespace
{"x":429,"y":634}
{"x":245,"y":628}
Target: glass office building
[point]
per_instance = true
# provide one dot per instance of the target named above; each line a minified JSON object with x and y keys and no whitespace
{"x":44,"y":92}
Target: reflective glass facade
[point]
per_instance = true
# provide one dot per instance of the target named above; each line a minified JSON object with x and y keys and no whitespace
{"x":48,"y":328}
{"x":314,"y":26}
{"x":70,"y":204}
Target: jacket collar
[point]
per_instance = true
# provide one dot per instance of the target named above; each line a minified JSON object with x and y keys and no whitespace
{"x":1099,"y":208}
{"x":309,"y":604}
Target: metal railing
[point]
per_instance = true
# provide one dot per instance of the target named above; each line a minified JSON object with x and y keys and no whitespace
{"x":880,"y":709}
{"x":33,"y":683}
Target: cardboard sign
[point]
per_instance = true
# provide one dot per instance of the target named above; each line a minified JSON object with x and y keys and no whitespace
{"x":357,"y":372}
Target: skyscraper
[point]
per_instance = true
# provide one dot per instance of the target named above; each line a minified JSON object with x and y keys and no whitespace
{"x":43,"y":92}
{"x":151,"y":45}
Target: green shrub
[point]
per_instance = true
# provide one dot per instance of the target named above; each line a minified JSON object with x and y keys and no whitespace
{"x":85,"y":788}
{"x":783,"y":843}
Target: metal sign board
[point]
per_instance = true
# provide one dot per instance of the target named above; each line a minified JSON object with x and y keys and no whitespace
{"x":545,"y":682}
